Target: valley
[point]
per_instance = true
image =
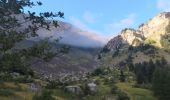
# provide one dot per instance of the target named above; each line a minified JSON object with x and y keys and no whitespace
{"x":46,"y":56}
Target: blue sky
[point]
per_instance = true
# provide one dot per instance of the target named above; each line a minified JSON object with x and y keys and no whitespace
{"x":105,"y":17}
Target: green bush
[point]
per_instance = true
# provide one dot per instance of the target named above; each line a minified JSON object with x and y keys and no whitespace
{"x":122,"y":96}
{"x":114,"y":89}
{"x":6,"y":92}
{"x":45,"y":95}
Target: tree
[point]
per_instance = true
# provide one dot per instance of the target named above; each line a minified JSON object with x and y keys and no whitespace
{"x":150,"y":70}
{"x":163,"y":61}
{"x":144,"y":71}
{"x":139,"y":73}
{"x":131,"y":66}
{"x":12,"y":32}
{"x":122,"y":76}
{"x":160,"y":83}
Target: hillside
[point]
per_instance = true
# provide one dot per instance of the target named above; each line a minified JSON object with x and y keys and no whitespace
{"x":149,"y":41}
{"x":78,"y":59}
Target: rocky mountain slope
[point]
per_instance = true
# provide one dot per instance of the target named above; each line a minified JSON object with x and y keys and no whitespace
{"x":84,"y":46}
{"x":150,"y":41}
{"x":72,"y":35}
{"x":77,"y":60}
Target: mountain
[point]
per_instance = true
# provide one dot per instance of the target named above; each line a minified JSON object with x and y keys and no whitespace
{"x":69,"y":34}
{"x":74,"y":36}
{"x":150,"y":41}
{"x":78,"y":59}
{"x":84,"y":46}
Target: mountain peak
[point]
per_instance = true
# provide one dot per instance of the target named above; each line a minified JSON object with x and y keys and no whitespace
{"x":164,"y":15}
{"x":154,"y":30}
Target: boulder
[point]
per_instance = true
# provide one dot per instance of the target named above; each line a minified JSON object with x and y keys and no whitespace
{"x":92,"y":87}
{"x":73,"y":89}
{"x":35,"y":87}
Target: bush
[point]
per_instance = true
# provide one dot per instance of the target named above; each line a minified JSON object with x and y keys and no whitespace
{"x":98,"y":71}
{"x":45,"y":95}
{"x":85,"y":89}
{"x":122,"y":76}
{"x":6,"y":92}
{"x":114,"y":89}
{"x":122,"y":96}
{"x":53,"y":85}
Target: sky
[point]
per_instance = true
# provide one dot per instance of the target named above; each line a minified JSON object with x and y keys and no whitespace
{"x":105,"y":17}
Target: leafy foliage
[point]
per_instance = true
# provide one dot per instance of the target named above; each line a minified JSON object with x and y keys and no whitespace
{"x":122,"y":96}
{"x":12,"y":32}
{"x":45,"y":95}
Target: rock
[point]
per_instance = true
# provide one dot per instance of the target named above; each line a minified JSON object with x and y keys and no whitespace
{"x":153,"y":30}
{"x":92,"y":87}
{"x":35,"y":87}
{"x":73,"y":89}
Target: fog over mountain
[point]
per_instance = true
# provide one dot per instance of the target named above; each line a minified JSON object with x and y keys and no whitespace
{"x":69,"y":34}
{"x":74,"y":36}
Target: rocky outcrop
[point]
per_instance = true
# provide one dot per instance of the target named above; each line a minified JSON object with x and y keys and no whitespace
{"x":154,"y":30}
{"x":92,"y":87}
{"x":127,"y":36}
{"x":73,"y":89}
{"x":157,"y":27}
{"x":114,"y":43}
{"x":130,"y":35}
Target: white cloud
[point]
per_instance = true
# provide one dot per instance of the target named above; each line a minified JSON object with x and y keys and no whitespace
{"x":117,"y":26}
{"x":163,"y":5}
{"x":76,"y":22}
{"x":90,"y":33}
{"x":89,"y":17}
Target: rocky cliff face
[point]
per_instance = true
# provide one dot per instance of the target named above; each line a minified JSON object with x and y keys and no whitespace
{"x":114,"y":43}
{"x":156,"y":32}
{"x":156,"y":28}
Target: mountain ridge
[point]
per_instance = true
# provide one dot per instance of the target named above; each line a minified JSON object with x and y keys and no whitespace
{"x":150,"y":41}
{"x":147,"y":30}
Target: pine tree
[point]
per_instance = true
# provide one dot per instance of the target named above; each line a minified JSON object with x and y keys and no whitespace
{"x":122,"y":76}
{"x":160,"y":83}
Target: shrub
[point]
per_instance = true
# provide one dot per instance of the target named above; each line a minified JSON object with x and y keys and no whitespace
{"x":45,"y":95}
{"x":114,"y":89}
{"x":122,"y":96}
{"x":122,"y":76}
{"x":6,"y":92}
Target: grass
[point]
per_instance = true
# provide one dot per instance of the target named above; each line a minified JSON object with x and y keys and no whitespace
{"x":21,"y":92}
{"x":136,"y":93}
{"x":13,"y":91}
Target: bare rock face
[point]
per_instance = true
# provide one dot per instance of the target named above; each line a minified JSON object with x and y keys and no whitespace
{"x":156,"y":27}
{"x":114,"y":43}
{"x":130,"y":35}
{"x":127,"y":36}
{"x":154,"y":30}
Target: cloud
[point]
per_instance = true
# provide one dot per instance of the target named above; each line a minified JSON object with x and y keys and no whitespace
{"x":163,"y":5}
{"x":111,"y":29}
{"x":76,"y":22}
{"x":89,"y":17}
{"x":117,"y":26}
{"x":90,"y":33}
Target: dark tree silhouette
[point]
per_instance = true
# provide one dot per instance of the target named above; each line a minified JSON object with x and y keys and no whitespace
{"x":12,"y":32}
